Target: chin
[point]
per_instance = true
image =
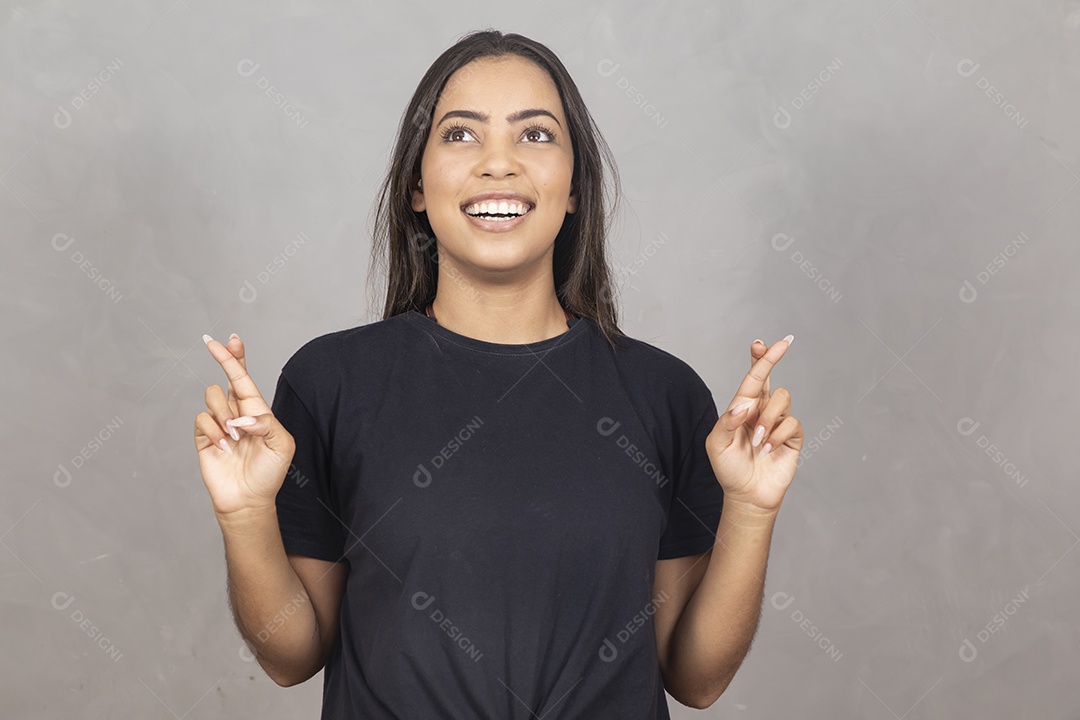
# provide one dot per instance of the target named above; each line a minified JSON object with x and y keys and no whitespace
{"x":498,"y":253}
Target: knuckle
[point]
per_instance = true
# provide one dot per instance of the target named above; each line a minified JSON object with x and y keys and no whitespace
{"x":205,"y":423}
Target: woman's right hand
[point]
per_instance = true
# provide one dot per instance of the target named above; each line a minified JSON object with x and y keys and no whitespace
{"x":243,"y":474}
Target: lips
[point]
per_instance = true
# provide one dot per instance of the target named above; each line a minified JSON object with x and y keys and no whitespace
{"x":497,"y":209}
{"x":499,"y":196}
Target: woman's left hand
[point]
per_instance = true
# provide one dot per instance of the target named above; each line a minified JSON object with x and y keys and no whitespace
{"x":754,"y":452}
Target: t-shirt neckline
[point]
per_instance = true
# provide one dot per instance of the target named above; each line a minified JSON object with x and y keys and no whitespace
{"x":422,"y":321}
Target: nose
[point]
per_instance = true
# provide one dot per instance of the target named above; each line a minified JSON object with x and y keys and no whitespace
{"x":499,"y":157}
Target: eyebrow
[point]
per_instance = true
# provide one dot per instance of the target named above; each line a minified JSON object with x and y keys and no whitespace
{"x":511,"y":118}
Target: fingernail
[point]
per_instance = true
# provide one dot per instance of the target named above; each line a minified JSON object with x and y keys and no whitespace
{"x":206,"y":338}
{"x":741,"y":408}
{"x":242,"y":421}
{"x":232,"y":431}
{"x":766,"y":449}
{"x":790,"y":339}
{"x":758,"y":435}
{"x":759,"y":341}
{"x":234,"y":335}
{"x":225,"y":445}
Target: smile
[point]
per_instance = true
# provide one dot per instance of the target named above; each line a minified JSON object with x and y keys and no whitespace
{"x":497,"y":216}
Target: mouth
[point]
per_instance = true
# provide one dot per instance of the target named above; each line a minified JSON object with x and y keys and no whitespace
{"x":497,"y":215}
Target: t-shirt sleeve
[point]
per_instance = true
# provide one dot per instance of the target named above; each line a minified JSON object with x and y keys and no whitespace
{"x":306,"y":503}
{"x":697,"y":497}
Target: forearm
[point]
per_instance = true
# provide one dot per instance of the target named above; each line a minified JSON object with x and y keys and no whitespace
{"x":270,"y":606}
{"x":715,"y":630}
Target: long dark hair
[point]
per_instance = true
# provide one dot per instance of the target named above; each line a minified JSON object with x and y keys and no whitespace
{"x":403,"y":237}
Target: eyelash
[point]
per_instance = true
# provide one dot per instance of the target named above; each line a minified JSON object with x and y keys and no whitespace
{"x":454,"y":128}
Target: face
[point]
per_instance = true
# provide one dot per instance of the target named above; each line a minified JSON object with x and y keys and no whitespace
{"x":485,"y":151}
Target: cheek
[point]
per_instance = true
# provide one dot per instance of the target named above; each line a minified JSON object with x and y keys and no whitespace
{"x":443,"y":213}
{"x":554,"y":177}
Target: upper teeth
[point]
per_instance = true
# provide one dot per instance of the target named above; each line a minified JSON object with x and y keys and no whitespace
{"x":502,"y":207}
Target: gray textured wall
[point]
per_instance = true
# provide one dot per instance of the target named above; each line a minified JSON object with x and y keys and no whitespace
{"x":894,"y":183}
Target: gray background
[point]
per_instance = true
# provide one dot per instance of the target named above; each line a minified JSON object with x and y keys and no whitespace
{"x":892,"y":182}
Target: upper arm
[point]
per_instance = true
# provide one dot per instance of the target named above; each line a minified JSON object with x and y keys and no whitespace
{"x":324,"y":582}
{"x":675,"y":583}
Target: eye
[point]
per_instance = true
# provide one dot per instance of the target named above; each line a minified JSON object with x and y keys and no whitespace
{"x":448,"y":132}
{"x":451,"y":131}
{"x":542,"y":129}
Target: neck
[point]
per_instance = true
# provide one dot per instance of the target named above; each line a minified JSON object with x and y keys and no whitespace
{"x":512,"y":319}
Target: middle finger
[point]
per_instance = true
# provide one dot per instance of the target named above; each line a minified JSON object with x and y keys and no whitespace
{"x":778,"y":407}
{"x":236,"y":347}
{"x":753,"y":359}
{"x":754,"y":384}
{"x":242,"y":383}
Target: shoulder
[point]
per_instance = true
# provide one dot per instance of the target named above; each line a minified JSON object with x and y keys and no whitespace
{"x":662,"y":370}
{"x":326,"y":356}
{"x":668,"y":394}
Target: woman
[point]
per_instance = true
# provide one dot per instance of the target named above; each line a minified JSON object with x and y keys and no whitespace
{"x":492,"y":503}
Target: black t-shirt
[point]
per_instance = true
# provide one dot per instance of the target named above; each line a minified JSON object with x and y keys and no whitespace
{"x":501,"y":508}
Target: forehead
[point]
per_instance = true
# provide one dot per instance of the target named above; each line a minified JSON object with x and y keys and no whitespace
{"x":495,"y":84}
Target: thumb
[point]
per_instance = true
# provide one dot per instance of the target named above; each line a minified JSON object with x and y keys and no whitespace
{"x":269,"y":428}
{"x":729,"y":423}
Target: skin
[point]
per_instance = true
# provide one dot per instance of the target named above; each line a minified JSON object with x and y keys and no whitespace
{"x":498,"y":287}
{"x":755,"y":444}
{"x":704,"y":631}
{"x":244,"y":454}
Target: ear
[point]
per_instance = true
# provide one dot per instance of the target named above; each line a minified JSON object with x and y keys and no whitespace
{"x":418,"y":203}
{"x":571,"y":202}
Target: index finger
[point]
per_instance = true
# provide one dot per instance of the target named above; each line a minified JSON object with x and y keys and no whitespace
{"x":754,"y":382}
{"x":238,"y":376}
